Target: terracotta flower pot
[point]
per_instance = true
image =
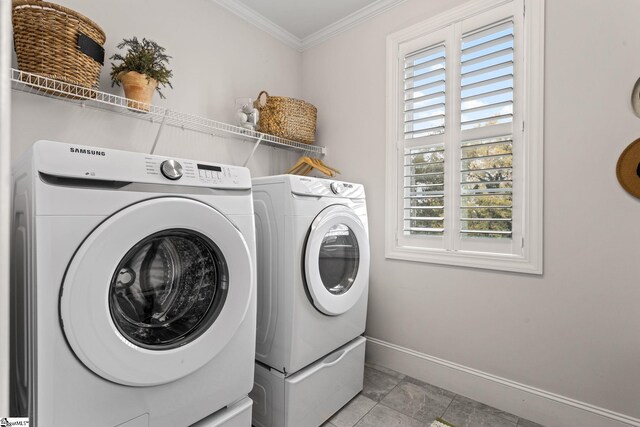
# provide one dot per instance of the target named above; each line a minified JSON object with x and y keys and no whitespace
{"x":138,"y":89}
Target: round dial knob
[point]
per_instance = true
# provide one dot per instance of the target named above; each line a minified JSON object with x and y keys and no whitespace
{"x":336,"y":188}
{"x":171,"y":169}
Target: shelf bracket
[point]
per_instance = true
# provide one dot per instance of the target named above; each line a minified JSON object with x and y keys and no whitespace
{"x":164,"y":119}
{"x":255,"y":147}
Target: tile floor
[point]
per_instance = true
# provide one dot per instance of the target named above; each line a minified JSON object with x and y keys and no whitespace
{"x":392,"y":399}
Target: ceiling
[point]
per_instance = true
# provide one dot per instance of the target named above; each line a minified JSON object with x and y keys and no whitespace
{"x":305,"y":17}
{"x":303,"y":23}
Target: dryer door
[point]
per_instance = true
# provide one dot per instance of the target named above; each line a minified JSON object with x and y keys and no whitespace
{"x":156,"y":291}
{"x":337,"y":260}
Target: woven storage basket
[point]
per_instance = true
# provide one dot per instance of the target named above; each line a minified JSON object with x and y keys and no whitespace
{"x":287,"y":118}
{"x":56,"y":42}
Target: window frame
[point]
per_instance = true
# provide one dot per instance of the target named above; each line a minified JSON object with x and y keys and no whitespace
{"x":529,"y":168}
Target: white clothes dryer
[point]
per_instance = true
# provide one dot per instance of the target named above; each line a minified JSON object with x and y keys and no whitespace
{"x":313,"y":278}
{"x":133,"y":289}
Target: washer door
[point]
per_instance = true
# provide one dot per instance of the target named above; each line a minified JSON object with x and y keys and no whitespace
{"x":156,"y":291}
{"x":336,"y":260}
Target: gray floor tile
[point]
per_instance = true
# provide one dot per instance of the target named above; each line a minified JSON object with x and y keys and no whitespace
{"x":431,"y":387}
{"x":423,"y":402}
{"x":408,"y":402}
{"x":414,"y":380}
{"x":526,"y":423}
{"x":381,"y":416}
{"x":377,"y":383}
{"x":464,"y":412}
{"x":488,"y":409}
{"x":351,"y":413}
{"x":388,"y":371}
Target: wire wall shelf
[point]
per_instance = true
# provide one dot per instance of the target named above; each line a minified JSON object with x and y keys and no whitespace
{"x":33,"y":83}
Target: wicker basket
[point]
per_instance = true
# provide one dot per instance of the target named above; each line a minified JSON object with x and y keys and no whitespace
{"x":59,"y":43}
{"x":287,"y":118}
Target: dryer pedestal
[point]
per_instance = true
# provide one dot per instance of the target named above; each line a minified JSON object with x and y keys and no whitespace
{"x":309,"y":397}
{"x":237,"y":414}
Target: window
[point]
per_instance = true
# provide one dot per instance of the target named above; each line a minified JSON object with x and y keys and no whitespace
{"x":464,"y":137}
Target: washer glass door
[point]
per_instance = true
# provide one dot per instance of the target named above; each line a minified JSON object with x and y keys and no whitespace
{"x":168,"y":289}
{"x":337,"y":260}
{"x":149,"y":298}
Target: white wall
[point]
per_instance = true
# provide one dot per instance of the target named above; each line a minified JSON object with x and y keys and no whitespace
{"x":574,"y":331}
{"x":217,"y":58}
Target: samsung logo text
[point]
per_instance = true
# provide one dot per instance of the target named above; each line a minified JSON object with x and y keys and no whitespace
{"x":89,"y":152}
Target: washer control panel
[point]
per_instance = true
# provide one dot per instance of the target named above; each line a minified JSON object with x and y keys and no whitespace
{"x":212,"y":173}
{"x":207,"y":174}
{"x":171,"y":169}
{"x":74,"y":161}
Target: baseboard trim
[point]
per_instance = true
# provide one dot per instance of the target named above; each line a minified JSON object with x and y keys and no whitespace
{"x":528,"y":402}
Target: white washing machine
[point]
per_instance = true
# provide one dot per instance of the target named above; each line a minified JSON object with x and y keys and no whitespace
{"x":313,"y":278}
{"x":133,"y":290}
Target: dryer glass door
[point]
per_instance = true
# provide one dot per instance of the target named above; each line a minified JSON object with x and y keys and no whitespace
{"x":337,"y":260}
{"x":149,"y":298}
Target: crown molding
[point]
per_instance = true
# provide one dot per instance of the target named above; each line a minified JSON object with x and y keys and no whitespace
{"x":316,"y":38}
{"x":349,"y":21}
{"x":256,"y":19}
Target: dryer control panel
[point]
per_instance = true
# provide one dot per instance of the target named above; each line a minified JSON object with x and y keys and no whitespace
{"x":75,"y":161}
{"x":311,"y":186}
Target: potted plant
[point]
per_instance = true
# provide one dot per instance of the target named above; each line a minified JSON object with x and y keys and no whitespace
{"x":142,"y":70}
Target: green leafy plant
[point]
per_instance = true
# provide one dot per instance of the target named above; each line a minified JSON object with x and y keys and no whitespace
{"x":146,"y":57}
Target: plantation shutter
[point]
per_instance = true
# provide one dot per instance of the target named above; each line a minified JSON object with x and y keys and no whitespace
{"x":424,"y":107}
{"x":424,"y":190}
{"x":486,"y":131}
{"x":424,"y":92}
{"x":464,"y":169}
{"x":458,"y":106}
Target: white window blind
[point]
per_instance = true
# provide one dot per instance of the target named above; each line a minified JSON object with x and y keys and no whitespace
{"x":486,"y":100}
{"x":460,"y":161}
{"x":424,"y":190}
{"x":486,"y":70}
{"x":424,"y":84}
{"x":486,"y":187}
{"x":424,"y":92}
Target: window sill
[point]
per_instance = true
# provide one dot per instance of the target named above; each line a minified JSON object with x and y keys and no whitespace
{"x":531,"y":264}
